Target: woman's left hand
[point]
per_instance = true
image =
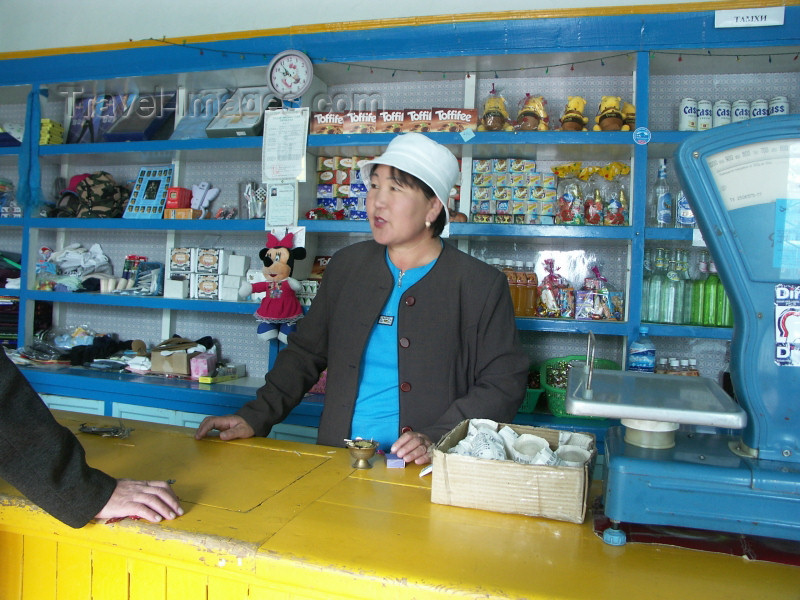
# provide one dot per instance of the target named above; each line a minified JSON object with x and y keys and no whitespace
{"x":413,"y":446}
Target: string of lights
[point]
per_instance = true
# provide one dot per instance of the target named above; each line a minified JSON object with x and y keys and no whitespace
{"x":601,"y":60}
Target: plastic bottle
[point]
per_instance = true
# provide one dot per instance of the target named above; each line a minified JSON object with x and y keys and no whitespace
{"x":662,"y":207}
{"x":508,"y":270}
{"x":684,"y":366}
{"x":642,"y":353}
{"x":711,"y":289}
{"x":657,"y":282}
{"x":674,"y":366}
{"x":520,"y":280}
{"x":531,"y":290}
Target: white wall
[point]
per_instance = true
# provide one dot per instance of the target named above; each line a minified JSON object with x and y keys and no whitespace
{"x":39,"y":24}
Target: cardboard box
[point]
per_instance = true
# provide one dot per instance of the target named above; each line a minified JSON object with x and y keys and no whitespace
{"x":176,"y":288}
{"x":560,"y":493}
{"x":176,"y":363}
{"x":182,"y":213}
{"x":238,"y":264}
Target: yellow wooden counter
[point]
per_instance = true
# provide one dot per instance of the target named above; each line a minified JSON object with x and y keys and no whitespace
{"x":281,"y":520}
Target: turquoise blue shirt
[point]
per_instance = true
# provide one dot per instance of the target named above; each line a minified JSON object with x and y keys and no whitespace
{"x":377,"y":410}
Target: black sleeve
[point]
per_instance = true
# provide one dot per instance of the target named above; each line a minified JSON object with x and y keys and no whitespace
{"x":42,"y":459}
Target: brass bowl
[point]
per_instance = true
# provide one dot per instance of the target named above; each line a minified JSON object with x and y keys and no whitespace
{"x":361,"y":451}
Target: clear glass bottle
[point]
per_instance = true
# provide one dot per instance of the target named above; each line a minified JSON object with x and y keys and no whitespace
{"x":647,"y":273}
{"x":657,"y":283}
{"x":684,"y":216}
{"x":688,"y":286}
{"x":671,"y":310}
{"x":661,"y":205}
{"x":698,"y":290}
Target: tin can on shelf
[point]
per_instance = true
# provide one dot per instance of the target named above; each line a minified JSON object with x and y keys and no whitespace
{"x":740,"y":111}
{"x":704,"y":115}
{"x":779,"y":105}
{"x":759,"y":108}
{"x":687,"y":115}
{"x":721,"y":113}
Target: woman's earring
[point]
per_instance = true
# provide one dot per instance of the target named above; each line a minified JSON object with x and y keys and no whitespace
{"x":427,"y":224}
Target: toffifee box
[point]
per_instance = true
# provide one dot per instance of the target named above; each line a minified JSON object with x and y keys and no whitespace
{"x":326,"y":123}
{"x":454,"y":120}
{"x":418,"y":120}
{"x":359,"y":121}
{"x":390,"y":121}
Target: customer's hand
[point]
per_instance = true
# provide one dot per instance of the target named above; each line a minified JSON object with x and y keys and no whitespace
{"x":231,"y":427}
{"x":413,"y":446}
{"x":151,"y":500}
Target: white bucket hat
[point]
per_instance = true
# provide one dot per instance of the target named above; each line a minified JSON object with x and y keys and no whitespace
{"x":426,"y":160}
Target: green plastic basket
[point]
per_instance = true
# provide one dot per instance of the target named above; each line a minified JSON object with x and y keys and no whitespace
{"x":556,"y":396}
{"x":531,"y":400}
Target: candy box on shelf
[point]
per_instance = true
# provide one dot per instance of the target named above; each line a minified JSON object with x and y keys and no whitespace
{"x":537,"y":490}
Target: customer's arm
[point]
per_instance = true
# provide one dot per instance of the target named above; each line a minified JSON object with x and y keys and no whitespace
{"x":46,"y":462}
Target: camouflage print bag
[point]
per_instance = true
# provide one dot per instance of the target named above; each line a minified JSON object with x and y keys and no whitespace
{"x":96,"y":196}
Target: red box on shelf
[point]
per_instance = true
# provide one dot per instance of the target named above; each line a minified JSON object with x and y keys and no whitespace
{"x":179,"y":197}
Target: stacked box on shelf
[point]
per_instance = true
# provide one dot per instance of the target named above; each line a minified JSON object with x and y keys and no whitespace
{"x":510,"y":190}
{"x":205,"y":273}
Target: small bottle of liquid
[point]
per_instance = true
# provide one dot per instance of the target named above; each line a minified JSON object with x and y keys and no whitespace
{"x":511,"y":277}
{"x":642,"y":353}
{"x":520,"y":281}
{"x":531,"y":290}
{"x":693,"y":371}
{"x":684,"y":366}
{"x":662,"y":366}
{"x":674,"y":367}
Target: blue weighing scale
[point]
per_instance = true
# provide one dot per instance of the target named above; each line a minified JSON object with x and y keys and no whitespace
{"x":674,"y":461}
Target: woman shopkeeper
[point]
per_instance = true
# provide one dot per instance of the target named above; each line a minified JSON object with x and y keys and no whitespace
{"x":416,"y":335}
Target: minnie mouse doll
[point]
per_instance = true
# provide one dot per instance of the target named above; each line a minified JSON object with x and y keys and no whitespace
{"x":279,"y":311}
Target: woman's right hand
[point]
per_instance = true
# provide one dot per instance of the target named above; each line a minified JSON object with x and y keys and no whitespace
{"x":231,"y":427}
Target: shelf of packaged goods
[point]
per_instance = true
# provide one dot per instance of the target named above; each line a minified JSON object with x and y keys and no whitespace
{"x":138,"y":301}
{"x":172,"y":393}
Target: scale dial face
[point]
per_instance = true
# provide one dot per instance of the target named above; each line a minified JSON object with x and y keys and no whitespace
{"x":290,"y":74}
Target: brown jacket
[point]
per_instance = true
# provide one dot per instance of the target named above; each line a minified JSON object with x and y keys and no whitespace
{"x":458,"y":352}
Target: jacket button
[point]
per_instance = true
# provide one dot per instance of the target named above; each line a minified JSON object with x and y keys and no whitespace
{"x":405,"y":387}
{"x":404,"y":342}
{"x":410,"y":301}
